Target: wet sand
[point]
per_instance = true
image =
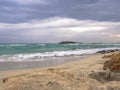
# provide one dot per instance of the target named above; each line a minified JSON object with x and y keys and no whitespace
{"x":16,"y":68}
{"x":46,"y":62}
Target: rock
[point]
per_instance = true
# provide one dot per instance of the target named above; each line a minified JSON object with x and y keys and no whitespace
{"x":100,"y":76}
{"x":107,"y":51}
{"x":102,"y":52}
{"x":113,"y":64}
{"x":105,"y":76}
{"x":53,"y":85}
{"x":5,"y":80}
{"x":112,"y":87}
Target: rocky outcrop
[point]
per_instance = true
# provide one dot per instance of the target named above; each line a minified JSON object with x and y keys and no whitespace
{"x":113,"y":64}
{"x":105,"y":76}
{"x":107,"y":51}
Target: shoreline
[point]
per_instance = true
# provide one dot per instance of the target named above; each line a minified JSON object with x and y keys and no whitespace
{"x":9,"y":73}
{"x":76,"y":75}
{"x":31,"y":65}
{"x":15,"y":68}
{"x":46,"y":62}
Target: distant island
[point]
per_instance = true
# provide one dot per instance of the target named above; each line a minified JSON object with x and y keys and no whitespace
{"x":68,"y":42}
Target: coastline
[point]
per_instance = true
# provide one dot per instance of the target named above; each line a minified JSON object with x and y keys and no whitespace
{"x":75,"y":75}
{"x":15,"y":68}
{"x":46,"y":62}
{"x":84,"y":65}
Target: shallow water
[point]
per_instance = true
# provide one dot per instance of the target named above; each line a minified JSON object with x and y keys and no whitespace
{"x":35,"y":52}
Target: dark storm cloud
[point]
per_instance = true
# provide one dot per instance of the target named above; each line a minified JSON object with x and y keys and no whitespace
{"x":17,"y":11}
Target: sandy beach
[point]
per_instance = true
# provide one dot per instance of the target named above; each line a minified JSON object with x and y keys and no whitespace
{"x":77,"y":75}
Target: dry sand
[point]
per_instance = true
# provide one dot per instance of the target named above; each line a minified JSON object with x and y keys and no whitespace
{"x":86,"y":74}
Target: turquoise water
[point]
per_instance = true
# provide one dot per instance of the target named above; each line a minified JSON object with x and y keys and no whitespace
{"x":24,"y":52}
{"x":8,"y":49}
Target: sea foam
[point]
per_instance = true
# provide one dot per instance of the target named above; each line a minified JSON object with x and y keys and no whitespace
{"x":38,"y":56}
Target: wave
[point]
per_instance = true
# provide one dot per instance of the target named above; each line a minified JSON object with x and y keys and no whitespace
{"x":72,"y":44}
{"x":2,"y":45}
{"x":15,"y":45}
{"x":41,"y":44}
{"x":38,"y":56}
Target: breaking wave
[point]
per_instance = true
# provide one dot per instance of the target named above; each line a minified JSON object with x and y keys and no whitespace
{"x":38,"y":56}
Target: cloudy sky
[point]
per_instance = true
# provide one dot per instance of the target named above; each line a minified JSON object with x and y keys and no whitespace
{"x":39,"y":21}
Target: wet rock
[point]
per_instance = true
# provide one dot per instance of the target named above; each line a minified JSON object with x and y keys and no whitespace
{"x":107,"y":51}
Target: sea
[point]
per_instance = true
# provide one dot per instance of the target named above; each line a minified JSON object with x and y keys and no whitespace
{"x":39,"y":52}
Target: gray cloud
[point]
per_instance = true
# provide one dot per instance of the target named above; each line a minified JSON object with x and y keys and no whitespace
{"x":24,"y":21}
{"x":58,"y":29}
{"x":17,"y":11}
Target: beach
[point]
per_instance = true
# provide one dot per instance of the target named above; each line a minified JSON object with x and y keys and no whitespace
{"x":76,"y":75}
{"x":59,"y":45}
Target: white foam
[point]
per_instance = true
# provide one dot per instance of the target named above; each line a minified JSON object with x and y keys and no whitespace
{"x":38,"y":56}
{"x":72,"y":44}
{"x":13,"y":45}
{"x":41,"y":44}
